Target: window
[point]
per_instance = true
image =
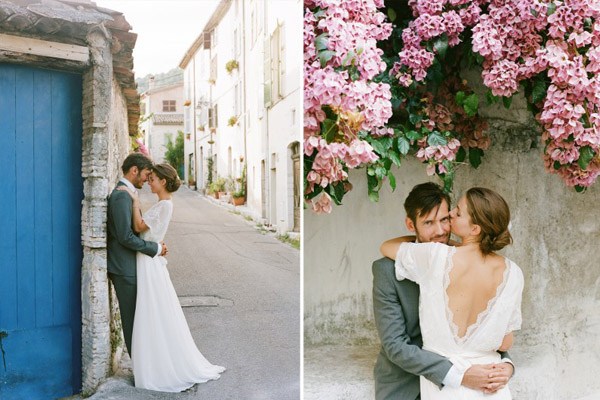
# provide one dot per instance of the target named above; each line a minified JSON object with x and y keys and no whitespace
{"x":213,"y":38}
{"x":213,"y":69}
{"x":169,"y":106}
{"x":213,"y":121}
{"x":277,"y":60}
{"x":274,"y":70}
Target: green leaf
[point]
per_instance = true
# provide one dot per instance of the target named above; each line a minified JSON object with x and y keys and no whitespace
{"x":349,"y":57}
{"x":313,"y":194}
{"x":539,"y":91}
{"x":534,"y":12}
{"x":413,"y":135}
{"x":380,"y":172}
{"x":460,"y":98}
{"x":471,"y":105}
{"x":322,"y":41}
{"x":387,"y":163}
{"x":490,"y":98}
{"x":556,"y":165}
{"x":475,"y":155}
{"x":374,"y":196}
{"x":507,"y":101}
{"x":372,"y":182}
{"x":391,"y":14}
{"x":461,"y":154}
{"x":382,"y":145}
{"x":329,"y":129}
{"x":371,"y":171}
{"x":585,"y":156}
{"x":325,"y":56}
{"x":436,"y":139}
{"x":354,"y":73}
{"x":551,"y":9}
{"x":392,"y":180}
{"x":415,"y":118}
{"x":441,"y":45}
{"x":579,"y":188}
{"x":403,"y":146}
{"x":394,"y":157}
{"x":337,"y":192}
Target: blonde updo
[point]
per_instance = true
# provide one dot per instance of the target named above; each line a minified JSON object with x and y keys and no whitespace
{"x":489,"y":210}
{"x":167,"y":172}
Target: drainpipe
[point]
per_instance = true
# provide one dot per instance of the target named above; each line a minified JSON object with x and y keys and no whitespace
{"x":194,"y":123}
{"x":243,"y":44}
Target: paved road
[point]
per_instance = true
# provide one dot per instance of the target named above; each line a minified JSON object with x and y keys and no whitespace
{"x":246,"y":286}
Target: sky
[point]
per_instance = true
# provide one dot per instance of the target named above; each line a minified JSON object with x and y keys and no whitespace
{"x":166,"y":29}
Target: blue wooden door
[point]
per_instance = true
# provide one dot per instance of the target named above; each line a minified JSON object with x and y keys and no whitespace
{"x":40,"y":227}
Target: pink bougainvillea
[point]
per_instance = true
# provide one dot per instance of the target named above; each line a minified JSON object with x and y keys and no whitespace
{"x":341,"y":58}
{"x":549,"y":48}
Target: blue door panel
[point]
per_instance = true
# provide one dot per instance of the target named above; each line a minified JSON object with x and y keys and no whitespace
{"x":40,"y":242}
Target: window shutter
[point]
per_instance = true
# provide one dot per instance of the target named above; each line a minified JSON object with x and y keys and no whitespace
{"x":267,"y":78}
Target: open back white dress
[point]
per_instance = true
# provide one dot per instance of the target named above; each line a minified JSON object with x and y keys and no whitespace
{"x":164,"y":355}
{"x":429,"y":265}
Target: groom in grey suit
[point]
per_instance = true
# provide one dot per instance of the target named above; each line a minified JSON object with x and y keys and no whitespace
{"x":123,"y":242}
{"x":396,"y":305}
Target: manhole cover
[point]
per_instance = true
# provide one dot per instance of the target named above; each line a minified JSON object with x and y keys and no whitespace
{"x":204,"y":301}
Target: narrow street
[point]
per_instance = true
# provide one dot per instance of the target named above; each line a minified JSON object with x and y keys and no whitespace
{"x":240,"y":292}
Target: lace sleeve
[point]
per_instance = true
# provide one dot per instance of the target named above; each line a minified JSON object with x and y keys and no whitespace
{"x":514,"y":323}
{"x":414,"y":261}
{"x":157,"y":219}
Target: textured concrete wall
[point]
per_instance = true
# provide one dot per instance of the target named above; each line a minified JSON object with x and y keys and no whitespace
{"x":105,"y":144}
{"x":556,"y":232}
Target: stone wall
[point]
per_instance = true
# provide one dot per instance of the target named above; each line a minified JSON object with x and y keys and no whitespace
{"x":555,"y":230}
{"x":105,"y":144}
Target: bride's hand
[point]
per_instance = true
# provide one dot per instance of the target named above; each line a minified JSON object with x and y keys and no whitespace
{"x":131,"y":193}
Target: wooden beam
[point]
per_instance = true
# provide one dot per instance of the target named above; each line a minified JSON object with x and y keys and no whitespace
{"x":44,"y":48}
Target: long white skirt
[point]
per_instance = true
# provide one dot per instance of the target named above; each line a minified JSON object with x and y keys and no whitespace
{"x":164,"y":355}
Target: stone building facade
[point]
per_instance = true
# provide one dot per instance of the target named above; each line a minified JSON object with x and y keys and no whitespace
{"x":78,"y":36}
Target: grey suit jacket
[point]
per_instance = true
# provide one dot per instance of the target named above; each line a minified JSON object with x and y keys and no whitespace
{"x":401,"y":359}
{"x":123,"y":243}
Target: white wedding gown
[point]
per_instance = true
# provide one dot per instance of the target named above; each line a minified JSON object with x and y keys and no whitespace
{"x":429,"y":265}
{"x":164,"y":355}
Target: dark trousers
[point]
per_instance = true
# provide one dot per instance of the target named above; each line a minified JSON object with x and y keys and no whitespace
{"x":126,"y":288}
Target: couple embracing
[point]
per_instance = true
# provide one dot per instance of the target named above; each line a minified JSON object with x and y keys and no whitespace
{"x":445,"y":311}
{"x":162,"y":349}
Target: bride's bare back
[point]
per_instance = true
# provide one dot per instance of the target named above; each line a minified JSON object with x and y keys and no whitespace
{"x":473,"y":283}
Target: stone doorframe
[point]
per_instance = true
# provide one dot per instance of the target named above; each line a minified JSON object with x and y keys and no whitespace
{"x":99,"y":172}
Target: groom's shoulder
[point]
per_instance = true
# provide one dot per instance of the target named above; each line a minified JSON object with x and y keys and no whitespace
{"x":117,"y":195}
{"x":382,"y":265}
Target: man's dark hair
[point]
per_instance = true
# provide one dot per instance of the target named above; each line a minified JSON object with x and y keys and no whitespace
{"x":136,"y":160}
{"x":423,"y":198}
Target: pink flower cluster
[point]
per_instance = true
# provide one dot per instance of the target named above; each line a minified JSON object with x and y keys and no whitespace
{"x":519,"y":39}
{"x":433,"y":19}
{"x":434,"y":156}
{"x":350,"y":30}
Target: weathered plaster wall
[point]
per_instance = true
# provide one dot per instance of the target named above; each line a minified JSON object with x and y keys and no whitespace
{"x":105,"y":144}
{"x":556,"y":232}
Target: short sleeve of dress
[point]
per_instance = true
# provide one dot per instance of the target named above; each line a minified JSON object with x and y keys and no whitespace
{"x":414,"y":260}
{"x":514,"y":323}
{"x":157,"y":219}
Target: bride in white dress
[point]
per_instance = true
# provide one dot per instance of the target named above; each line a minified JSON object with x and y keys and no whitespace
{"x":470,"y":299}
{"x":164,"y":355}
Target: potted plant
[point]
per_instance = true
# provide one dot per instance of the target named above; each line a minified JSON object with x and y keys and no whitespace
{"x":231,"y":65}
{"x":232,"y":120}
{"x":220,"y":186}
{"x":239,"y":196}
